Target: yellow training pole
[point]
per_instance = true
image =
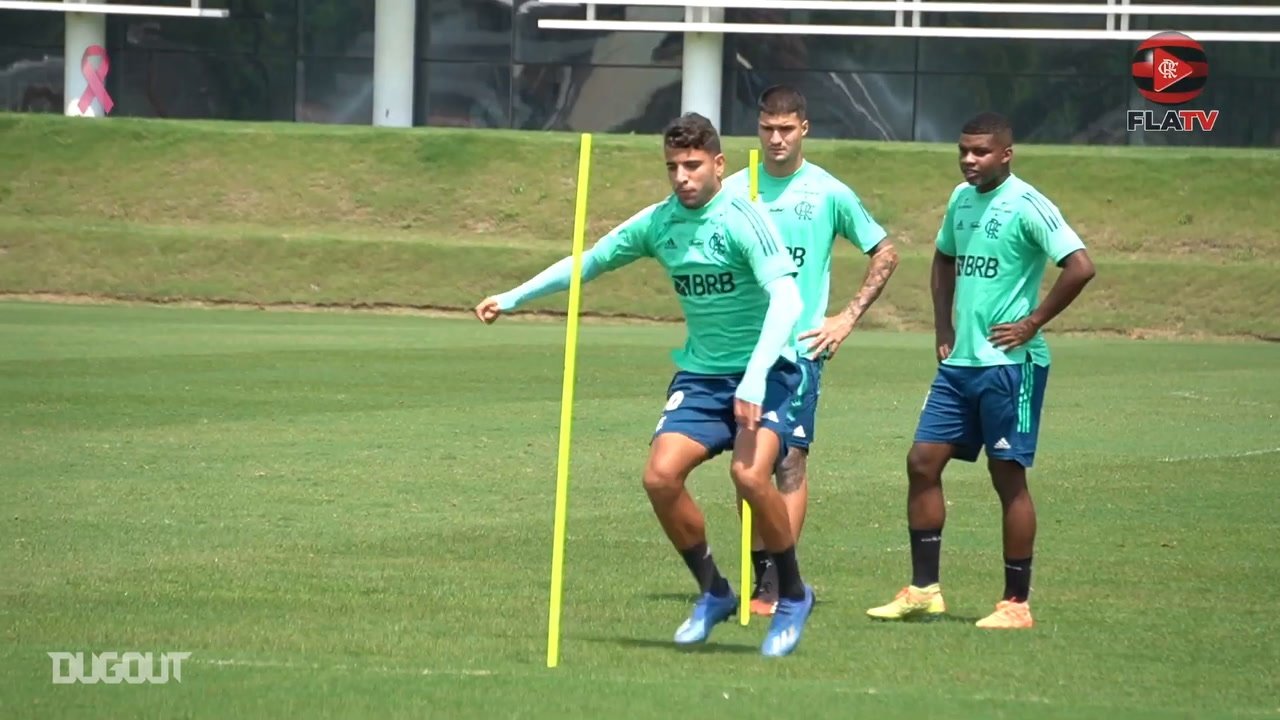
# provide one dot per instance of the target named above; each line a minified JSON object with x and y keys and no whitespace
{"x":566,"y":403}
{"x":744,"y":605}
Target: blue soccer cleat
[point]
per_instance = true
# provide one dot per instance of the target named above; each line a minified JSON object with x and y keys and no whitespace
{"x":708,"y":611}
{"x":788,"y":623}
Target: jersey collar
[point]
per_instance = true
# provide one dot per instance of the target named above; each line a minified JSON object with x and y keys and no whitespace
{"x":804,"y":163}
{"x":1008,"y":182}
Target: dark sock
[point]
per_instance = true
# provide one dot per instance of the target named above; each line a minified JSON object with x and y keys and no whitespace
{"x":704,"y":570}
{"x":760,"y":560}
{"x":790,"y":586}
{"x":926,"y":550}
{"x":1017,"y":579}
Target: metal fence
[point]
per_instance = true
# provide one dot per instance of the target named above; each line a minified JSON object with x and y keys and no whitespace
{"x":487,"y":63}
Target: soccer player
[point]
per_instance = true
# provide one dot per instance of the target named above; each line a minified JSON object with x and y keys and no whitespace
{"x":996,"y":237}
{"x":736,"y":372}
{"x":810,"y":208}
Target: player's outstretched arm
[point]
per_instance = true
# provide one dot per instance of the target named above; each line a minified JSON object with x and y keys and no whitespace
{"x":942,"y":286}
{"x":785,"y":307}
{"x":828,"y":338}
{"x":1077,"y":271}
{"x":624,"y":244}
{"x":551,"y":280}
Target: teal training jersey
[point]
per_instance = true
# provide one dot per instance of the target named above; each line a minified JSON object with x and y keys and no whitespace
{"x":810,"y":208}
{"x":1001,"y":241}
{"x":719,"y":258}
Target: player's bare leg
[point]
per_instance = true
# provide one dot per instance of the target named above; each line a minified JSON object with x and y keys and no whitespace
{"x":671,"y":458}
{"x":1019,"y":512}
{"x":1010,"y":481}
{"x":926,"y":514}
{"x":755,"y":453}
{"x":791,"y":476}
{"x":926,"y":505}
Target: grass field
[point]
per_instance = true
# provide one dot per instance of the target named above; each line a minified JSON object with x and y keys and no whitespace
{"x":344,"y":514}
{"x":1185,"y":240}
{"x":350,"y":515}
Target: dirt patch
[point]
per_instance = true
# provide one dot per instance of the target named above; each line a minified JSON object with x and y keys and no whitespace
{"x":372,"y":308}
{"x":892,"y":322}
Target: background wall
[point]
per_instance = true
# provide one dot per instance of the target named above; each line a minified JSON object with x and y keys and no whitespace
{"x":485,"y":63}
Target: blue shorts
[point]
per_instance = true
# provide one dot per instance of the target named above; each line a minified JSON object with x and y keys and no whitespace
{"x":804,"y":404}
{"x":700,"y":407}
{"x":994,"y":407}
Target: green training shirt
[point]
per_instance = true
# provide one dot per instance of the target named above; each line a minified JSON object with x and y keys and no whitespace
{"x":810,"y":208}
{"x":719,"y":258}
{"x":1001,"y":241}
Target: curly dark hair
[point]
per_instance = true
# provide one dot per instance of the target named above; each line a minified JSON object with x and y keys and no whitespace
{"x":692,"y":131}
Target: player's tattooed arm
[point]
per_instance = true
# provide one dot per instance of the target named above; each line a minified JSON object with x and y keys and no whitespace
{"x":828,"y":338}
{"x":884,"y":260}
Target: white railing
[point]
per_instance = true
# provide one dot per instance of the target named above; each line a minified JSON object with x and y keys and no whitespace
{"x":902,"y":18}
{"x":102,"y":8}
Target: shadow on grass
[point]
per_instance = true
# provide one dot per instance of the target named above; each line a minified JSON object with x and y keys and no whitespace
{"x":943,"y":620}
{"x":712,"y":647}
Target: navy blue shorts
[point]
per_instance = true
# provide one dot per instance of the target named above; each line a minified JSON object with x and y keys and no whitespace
{"x":700,"y":407}
{"x":994,"y":407}
{"x":804,"y":404}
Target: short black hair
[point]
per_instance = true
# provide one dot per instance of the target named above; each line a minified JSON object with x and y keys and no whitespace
{"x":692,"y":131}
{"x":783,"y":100}
{"x":990,"y":123}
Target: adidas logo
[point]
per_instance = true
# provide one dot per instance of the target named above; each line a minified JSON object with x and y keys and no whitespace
{"x":798,"y":432}
{"x":670,"y":244}
{"x":771,"y":416}
{"x":1001,"y":444}
{"x":784,"y":640}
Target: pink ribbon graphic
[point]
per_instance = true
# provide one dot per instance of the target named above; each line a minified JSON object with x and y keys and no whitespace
{"x":94,"y":78}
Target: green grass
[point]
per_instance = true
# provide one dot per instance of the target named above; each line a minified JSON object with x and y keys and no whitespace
{"x":350,"y":515}
{"x":1185,"y":239}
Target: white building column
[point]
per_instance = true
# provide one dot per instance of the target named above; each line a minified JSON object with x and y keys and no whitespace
{"x":703,"y":71}
{"x":83,"y":31}
{"x":393,"y":62}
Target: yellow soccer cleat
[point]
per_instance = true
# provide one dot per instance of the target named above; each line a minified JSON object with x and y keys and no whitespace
{"x":1009,"y":615}
{"x":912,"y":603}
